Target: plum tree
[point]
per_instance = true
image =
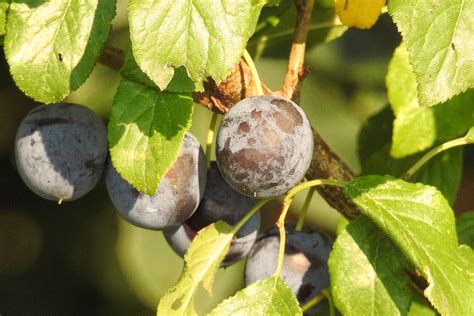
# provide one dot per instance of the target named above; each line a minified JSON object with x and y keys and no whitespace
{"x":264,"y":146}
{"x":304,"y":268}
{"x":220,"y":202}
{"x":185,"y":52}
{"x":176,"y":198}
{"x":60,"y":150}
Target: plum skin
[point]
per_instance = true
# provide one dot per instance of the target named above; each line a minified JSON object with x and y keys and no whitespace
{"x":264,"y":146}
{"x":176,"y":198}
{"x":220,"y":202}
{"x":304,"y":267}
{"x":60,"y":150}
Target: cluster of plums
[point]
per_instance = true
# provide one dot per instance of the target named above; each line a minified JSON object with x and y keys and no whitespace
{"x":264,"y":148}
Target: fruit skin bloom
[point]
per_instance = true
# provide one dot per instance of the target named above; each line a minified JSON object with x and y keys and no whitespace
{"x":60,"y":150}
{"x":264,"y":146}
{"x":220,"y":202}
{"x":177,"y":197}
{"x":305,"y":269}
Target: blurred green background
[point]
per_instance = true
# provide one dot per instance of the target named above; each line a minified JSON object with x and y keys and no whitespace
{"x":80,"y":258}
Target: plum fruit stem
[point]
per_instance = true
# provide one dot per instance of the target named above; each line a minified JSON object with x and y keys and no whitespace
{"x":249,"y":214}
{"x":210,"y":138}
{"x":313,"y":302}
{"x":304,"y":210}
{"x":281,"y":229}
{"x":313,"y":183}
{"x":433,"y":152}
{"x":332,"y":307}
{"x":284,"y":210}
{"x":253,"y":70}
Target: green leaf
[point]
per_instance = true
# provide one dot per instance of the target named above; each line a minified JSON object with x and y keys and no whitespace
{"x":180,"y":83}
{"x":207,"y":37}
{"x":277,"y":25}
{"x":201,"y":262}
{"x":145,"y":132}
{"x":444,"y":171}
{"x":270,"y":296}
{"x":3,"y":15}
{"x":53,"y":46}
{"x":465,"y":228}
{"x":439,"y":36}
{"x":419,"y":307}
{"x":368,"y":272}
{"x":418,"y":128}
{"x":421,"y":223}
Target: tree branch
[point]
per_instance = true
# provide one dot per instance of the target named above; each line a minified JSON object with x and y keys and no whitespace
{"x":325,"y":164}
{"x":240,"y":85}
{"x":296,"y":71}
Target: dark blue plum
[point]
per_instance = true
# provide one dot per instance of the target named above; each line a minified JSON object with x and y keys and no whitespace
{"x":220,"y":202}
{"x":264,"y":146}
{"x":176,"y":198}
{"x":60,"y":150}
{"x":304,"y":268}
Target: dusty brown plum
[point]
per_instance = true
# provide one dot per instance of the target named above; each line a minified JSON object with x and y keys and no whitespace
{"x":176,"y":198}
{"x":220,"y":202}
{"x":304,"y":269}
{"x":264,"y":146}
{"x":60,"y":150}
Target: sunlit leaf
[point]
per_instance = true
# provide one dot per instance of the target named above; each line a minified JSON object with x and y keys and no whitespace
{"x":201,"y":262}
{"x":421,"y":223}
{"x":417,"y":128}
{"x":368,"y":275}
{"x":439,"y":36}
{"x":206,"y":37}
{"x":52,"y":46}
{"x":269,"y":296}
{"x":145,"y":132}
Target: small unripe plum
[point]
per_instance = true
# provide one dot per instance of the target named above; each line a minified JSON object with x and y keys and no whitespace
{"x":176,"y":198}
{"x":304,"y":267}
{"x":60,"y":150}
{"x":264,"y":146}
{"x":220,"y":202}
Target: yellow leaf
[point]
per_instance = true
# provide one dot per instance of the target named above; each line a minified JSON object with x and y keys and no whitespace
{"x":359,"y":13}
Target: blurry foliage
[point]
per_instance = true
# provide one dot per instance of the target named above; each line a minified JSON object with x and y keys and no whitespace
{"x":79,"y":258}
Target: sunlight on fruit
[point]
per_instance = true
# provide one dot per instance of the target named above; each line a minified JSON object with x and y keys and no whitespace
{"x":151,"y":268}
{"x":21,"y":242}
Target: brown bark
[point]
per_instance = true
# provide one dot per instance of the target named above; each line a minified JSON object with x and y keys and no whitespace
{"x":296,"y":71}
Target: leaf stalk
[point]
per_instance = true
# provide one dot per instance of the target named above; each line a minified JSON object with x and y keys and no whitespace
{"x":433,"y":152}
{"x":210,"y":138}
{"x":253,"y":70}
